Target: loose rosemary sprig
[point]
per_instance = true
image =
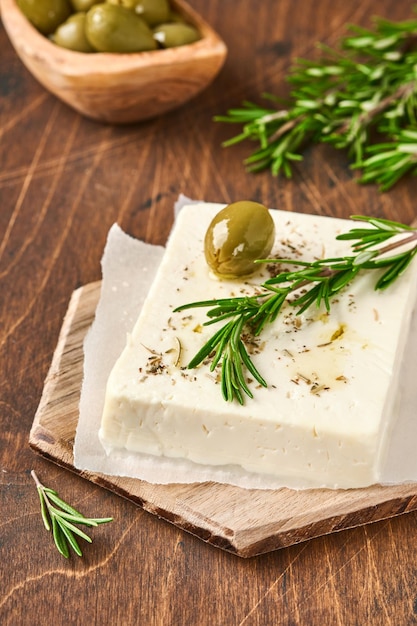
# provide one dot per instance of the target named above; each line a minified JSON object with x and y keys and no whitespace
{"x":363,"y":89}
{"x":62,"y":517}
{"x":317,"y":282}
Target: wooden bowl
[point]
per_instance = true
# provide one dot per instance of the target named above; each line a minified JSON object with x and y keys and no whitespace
{"x":118,"y":88}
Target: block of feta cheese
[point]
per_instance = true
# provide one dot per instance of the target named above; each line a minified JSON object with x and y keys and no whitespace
{"x":332,"y":377}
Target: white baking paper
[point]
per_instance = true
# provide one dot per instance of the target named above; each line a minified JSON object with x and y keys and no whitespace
{"x":128,"y":268}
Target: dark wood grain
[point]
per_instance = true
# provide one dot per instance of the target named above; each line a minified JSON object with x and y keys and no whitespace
{"x":63,"y":181}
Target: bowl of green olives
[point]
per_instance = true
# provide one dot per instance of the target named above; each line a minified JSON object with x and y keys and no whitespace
{"x":115,"y":61}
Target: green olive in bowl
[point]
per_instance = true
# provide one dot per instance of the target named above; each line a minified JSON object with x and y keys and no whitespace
{"x":112,"y":28}
{"x":153,"y":11}
{"x":71,"y":34}
{"x":175,"y":34}
{"x":45,"y":15}
{"x":84,"y":5}
{"x":237,"y":236}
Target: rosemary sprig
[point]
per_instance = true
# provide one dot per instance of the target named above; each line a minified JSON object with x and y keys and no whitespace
{"x":62,"y":517}
{"x":316,"y":283}
{"x":363,"y":89}
{"x":386,"y":163}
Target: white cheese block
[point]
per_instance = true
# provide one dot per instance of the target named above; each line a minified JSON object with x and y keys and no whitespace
{"x":332,"y":378}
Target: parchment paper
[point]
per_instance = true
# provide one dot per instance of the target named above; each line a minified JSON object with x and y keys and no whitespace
{"x":128,"y":268}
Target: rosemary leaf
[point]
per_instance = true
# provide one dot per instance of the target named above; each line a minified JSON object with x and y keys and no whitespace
{"x":53,"y":497}
{"x":59,"y":538}
{"x":71,"y":541}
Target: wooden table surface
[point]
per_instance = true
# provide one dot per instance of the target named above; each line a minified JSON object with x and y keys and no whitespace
{"x":64,"y":180}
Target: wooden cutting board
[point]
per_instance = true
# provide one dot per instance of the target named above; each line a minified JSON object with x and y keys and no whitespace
{"x":246,"y":522}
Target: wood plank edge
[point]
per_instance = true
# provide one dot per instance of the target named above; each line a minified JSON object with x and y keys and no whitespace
{"x":54,"y":368}
{"x":333,"y":524}
{"x":238,"y":543}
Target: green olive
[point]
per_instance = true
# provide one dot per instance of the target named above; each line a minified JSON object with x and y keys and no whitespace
{"x":45,"y":15}
{"x":71,"y":34}
{"x":175,"y":34}
{"x":111,"y":28}
{"x":237,"y":236}
{"x":153,"y":11}
{"x":128,"y":4}
{"x":84,"y":5}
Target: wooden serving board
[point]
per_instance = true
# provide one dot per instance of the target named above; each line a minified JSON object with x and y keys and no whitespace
{"x":246,"y":522}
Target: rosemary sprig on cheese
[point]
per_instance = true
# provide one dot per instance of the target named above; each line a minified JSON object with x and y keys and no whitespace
{"x":315,"y":283}
{"x":62,"y":517}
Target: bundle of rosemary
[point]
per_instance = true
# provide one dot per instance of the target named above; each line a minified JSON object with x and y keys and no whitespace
{"x":361,"y":96}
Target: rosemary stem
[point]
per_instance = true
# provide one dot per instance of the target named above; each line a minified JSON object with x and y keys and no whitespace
{"x":366,"y":117}
{"x":36,"y":479}
{"x":272,"y":117}
{"x":285,"y":128}
{"x":397,"y":244}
